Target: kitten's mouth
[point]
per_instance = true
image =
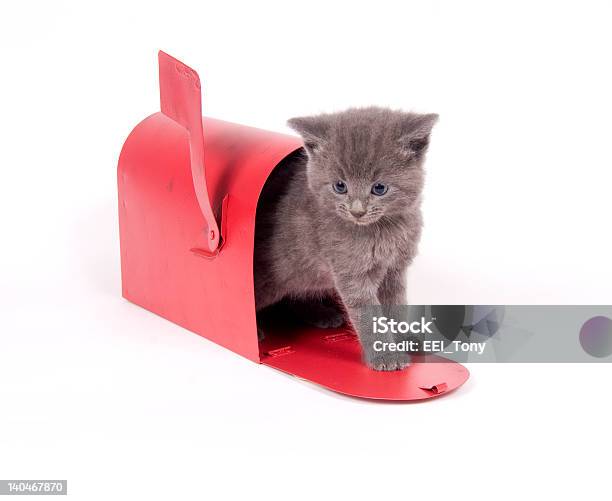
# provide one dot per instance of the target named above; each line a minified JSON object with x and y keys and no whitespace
{"x":365,"y":222}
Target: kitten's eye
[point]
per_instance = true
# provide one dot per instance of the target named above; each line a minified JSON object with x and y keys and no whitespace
{"x":340,"y":187}
{"x":379,"y":189}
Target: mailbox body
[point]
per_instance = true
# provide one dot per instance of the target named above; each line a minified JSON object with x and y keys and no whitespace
{"x":164,"y":265}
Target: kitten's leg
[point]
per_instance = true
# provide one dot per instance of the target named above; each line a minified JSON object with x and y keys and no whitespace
{"x":392,"y":289}
{"x":392,"y":295}
{"x":357,"y":292}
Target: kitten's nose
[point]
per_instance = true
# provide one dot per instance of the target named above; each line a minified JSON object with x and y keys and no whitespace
{"x":357,"y":209}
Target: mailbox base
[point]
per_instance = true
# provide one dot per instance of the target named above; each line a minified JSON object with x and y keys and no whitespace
{"x":332,"y":358}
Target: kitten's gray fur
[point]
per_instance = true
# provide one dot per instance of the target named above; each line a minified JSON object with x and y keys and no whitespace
{"x":309,"y":244}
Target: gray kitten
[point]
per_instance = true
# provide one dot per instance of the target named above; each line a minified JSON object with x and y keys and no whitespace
{"x":340,"y":221}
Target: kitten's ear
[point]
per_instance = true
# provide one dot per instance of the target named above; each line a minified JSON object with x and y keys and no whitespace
{"x":312,"y":129}
{"x":415,"y":133}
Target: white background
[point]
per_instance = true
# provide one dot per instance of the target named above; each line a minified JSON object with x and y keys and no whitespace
{"x":128,"y":406}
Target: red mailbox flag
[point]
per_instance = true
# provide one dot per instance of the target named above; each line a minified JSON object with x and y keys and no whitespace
{"x":188,"y":192}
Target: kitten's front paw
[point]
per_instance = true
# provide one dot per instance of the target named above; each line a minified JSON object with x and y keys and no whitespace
{"x":395,"y":361}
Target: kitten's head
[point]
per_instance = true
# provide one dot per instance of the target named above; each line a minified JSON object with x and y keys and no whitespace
{"x":365,"y":163}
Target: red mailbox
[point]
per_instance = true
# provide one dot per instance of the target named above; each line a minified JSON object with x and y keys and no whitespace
{"x":188,"y":193}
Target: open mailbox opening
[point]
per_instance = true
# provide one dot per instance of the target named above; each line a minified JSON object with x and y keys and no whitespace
{"x":188,"y":194}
